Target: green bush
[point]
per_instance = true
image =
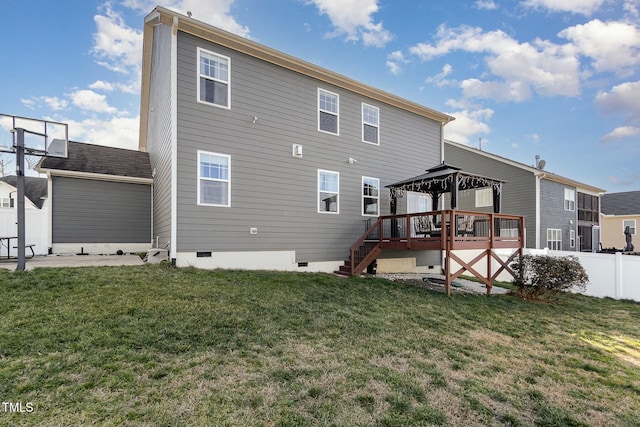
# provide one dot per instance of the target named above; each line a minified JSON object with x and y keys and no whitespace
{"x":543,"y":276}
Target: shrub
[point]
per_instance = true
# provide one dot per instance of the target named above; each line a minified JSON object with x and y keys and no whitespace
{"x":542,"y":275}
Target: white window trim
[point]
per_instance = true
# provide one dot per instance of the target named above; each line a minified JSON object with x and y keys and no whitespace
{"x":337,"y":113}
{"x":571,"y":199}
{"x":557,"y":231}
{"x":572,"y":238}
{"x":228,"y":82}
{"x":337,"y":193}
{"x":370,"y":197}
{"x":484,"y":197}
{"x":634,"y":225}
{"x":5,"y":202}
{"x":377,"y":125}
{"x":200,"y":178}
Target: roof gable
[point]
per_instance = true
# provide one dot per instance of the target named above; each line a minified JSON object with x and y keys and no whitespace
{"x":35,"y":189}
{"x":626,"y":203}
{"x":100,"y":160}
{"x":541,"y":173}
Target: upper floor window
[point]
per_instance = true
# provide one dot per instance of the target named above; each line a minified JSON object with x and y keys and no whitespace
{"x":370,"y":196}
{"x":328,"y":191}
{"x":370,"y":124}
{"x":631,"y":223}
{"x":569,"y":199}
{"x":214,"y":179}
{"x":5,"y":202}
{"x":213,"y":78}
{"x":328,"y":109}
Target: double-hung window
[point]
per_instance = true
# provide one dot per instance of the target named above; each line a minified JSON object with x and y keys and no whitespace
{"x":214,"y":179}
{"x":569,"y":199}
{"x":328,"y":110}
{"x":213,"y":78}
{"x":554,"y":239}
{"x":370,"y":124}
{"x":5,"y":202}
{"x":370,"y":196}
{"x":328,"y":191}
{"x":484,"y":197}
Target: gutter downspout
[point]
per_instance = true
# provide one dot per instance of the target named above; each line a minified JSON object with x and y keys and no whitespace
{"x":174,"y":141}
{"x":538,"y":219}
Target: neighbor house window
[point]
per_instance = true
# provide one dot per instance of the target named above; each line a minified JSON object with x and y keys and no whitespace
{"x":213,"y":78}
{"x":484,"y":197}
{"x":214,"y":179}
{"x":569,"y":199}
{"x":370,"y":124}
{"x":631,"y":223}
{"x":554,"y":239}
{"x":5,"y":202}
{"x":572,"y":238}
{"x":370,"y":196}
{"x":328,"y":111}
{"x":328,"y":191}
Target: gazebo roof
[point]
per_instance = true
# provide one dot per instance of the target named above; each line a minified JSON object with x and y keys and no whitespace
{"x":441,"y":179}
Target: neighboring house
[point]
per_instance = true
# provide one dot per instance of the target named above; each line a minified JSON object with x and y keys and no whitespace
{"x":263,"y":160}
{"x":560,"y":213}
{"x":36,"y":214}
{"x":100,"y":199}
{"x":618,"y":211}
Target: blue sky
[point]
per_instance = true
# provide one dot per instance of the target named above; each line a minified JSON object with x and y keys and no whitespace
{"x":557,"y":78}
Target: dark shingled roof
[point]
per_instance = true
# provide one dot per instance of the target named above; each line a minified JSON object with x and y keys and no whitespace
{"x":100,"y":159}
{"x":34,"y":188}
{"x":627,"y":203}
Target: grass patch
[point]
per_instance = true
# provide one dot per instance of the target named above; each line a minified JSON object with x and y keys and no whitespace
{"x":155,"y":345}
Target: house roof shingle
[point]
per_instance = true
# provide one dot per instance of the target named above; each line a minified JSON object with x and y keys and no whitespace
{"x":35,"y":189}
{"x":100,"y":159}
{"x":625,"y":203}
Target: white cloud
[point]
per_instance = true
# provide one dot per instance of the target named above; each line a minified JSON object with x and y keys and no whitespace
{"x":622,"y":98}
{"x":91,"y":101}
{"x":584,"y":7}
{"x":440,"y":79}
{"x":213,"y":12}
{"x":353,"y":18}
{"x":468,"y":123}
{"x":102,"y":85}
{"x":119,"y":132}
{"x":117,"y":46}
{"x":621,"y":133}
{"x":522,"y":68}
{"x":52,"y":102}
{"x":613,"y":46}
{"x":394,"y":62}
{"x":486,"y":5}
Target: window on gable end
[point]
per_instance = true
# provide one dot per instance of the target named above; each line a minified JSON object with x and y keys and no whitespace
{"x":213,"y":78}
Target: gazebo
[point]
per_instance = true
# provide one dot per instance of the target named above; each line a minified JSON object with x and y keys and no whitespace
{"x":445,"y":230}
{"x":442,"y":179}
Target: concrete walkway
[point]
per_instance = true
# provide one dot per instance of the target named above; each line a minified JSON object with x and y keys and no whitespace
{"x":74,"y":261}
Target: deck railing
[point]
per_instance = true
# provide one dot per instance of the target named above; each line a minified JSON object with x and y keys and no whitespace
{"x":439,"y":230}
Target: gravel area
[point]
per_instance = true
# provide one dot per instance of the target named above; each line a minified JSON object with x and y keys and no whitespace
{"x":437,"y":284}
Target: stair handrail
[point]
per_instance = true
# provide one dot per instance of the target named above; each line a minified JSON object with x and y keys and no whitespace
{"x":376,"y":226}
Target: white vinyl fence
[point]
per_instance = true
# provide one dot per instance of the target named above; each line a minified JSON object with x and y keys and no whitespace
{"x":610,"y":275}
{"x":36,"y":230}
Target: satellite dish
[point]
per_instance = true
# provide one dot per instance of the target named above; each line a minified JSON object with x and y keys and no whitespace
{"x":541,"y":164}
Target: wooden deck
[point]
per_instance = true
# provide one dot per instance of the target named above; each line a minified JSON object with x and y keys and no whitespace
{"x":447,"y":231}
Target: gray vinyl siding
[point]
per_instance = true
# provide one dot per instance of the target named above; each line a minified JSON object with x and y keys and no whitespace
{"x":270,"y":189}
{"x":553,"y":213}
{"x":91,"y":211}
{"x":159,"y":133}
{"x":519,"y":189}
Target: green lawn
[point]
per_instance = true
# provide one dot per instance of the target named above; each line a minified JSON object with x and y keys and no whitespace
{"x":154,"y":346}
